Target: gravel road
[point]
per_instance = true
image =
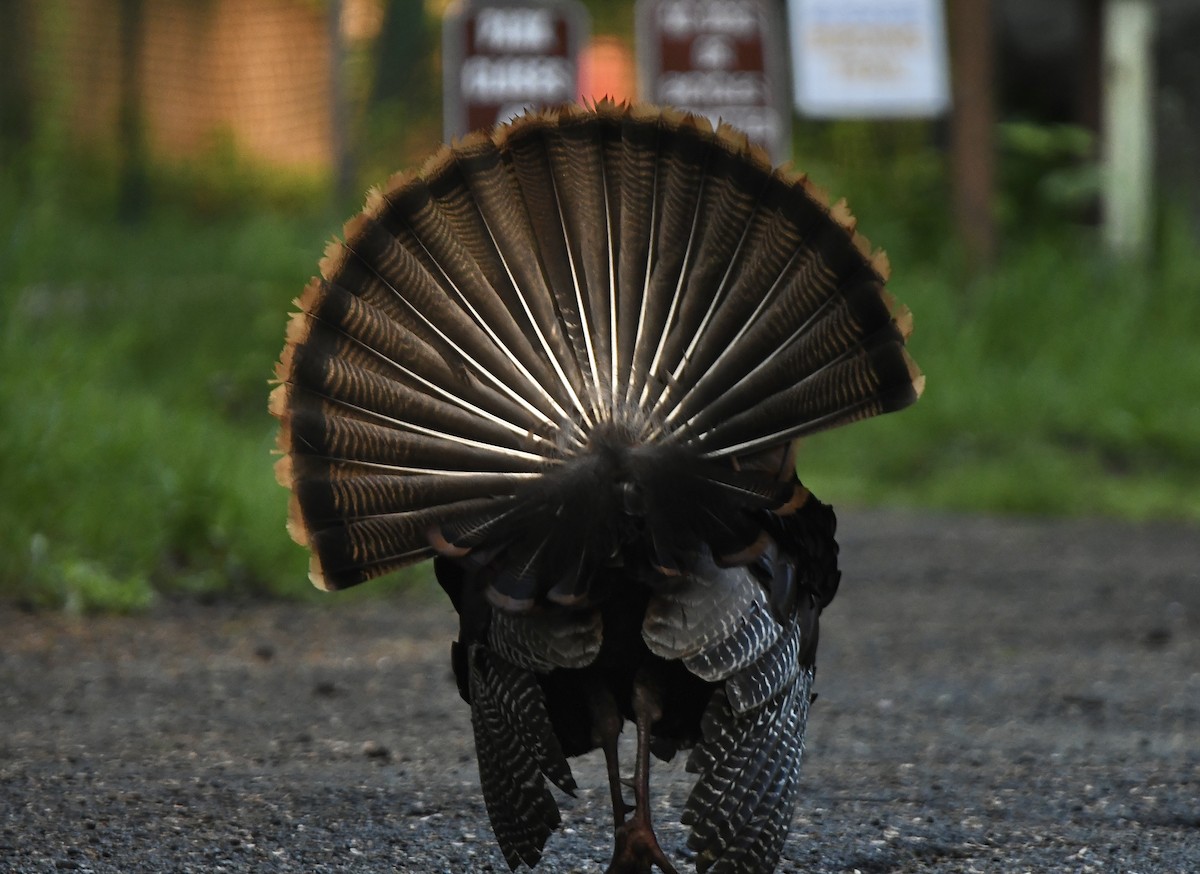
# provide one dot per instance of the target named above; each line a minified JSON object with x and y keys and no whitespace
{"x":995,"y":695}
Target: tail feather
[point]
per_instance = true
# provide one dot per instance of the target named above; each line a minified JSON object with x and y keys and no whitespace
{"x":462,"y":334}
{"x":784,"y":256}
{"x":332,"y":381}
{"x":526,"y":144}
{"x":445,"y":228}
{"x":515,"y":271}
{"x":330,"y":499}
{"x":577,"y":159}
{"x":580,"y":283}
{"x":795,"y":336}
{"x":724,"y":216}
{"x":353,"y":552}
{"x":682,"y":162}
{"x":344,"y":433}
{"x":869,"y":383}
{"x":642,"y":133}
{"x":338,"y":322}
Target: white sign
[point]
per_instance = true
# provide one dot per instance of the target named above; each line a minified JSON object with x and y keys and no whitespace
{"x":869,"y":58}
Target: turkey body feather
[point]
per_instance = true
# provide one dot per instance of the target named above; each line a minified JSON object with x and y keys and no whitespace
{"x":570,"y":358}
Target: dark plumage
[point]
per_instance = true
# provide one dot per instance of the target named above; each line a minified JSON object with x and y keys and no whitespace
{"x":570,"y":358}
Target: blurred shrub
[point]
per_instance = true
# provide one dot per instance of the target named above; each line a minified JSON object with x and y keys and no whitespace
{"x":1049,"y":176}
{"x":892,"y":174}
{"x":220,"y":180}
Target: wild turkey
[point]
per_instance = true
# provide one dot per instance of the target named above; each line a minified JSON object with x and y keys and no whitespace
{"x":570,"y":358}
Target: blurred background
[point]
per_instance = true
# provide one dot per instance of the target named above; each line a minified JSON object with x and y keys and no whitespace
{"x":170,"y":171}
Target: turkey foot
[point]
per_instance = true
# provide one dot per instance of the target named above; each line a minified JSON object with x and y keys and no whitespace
{"x":636,"y":848}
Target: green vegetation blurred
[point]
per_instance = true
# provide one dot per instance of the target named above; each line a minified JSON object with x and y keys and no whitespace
{"x":141,"y":312}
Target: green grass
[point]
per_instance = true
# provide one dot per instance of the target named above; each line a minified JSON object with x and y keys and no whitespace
{"x":135,"y":447}
{"x":1060,"y":383}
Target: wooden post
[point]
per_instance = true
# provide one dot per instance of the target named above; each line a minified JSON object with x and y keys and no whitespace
{"x":973,"y":125}
{"x":1128,"y":122}
{"x":133,"y":193}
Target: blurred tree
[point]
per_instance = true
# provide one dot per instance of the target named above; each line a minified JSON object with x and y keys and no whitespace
{"x":339,"y":114}
{"x":614,"y":19}
{"x":402,"y":70}
{"x":973,"y":123}
{"x":400,"y":90}
{"x":16,"y":91}
{"x":133,"y":196}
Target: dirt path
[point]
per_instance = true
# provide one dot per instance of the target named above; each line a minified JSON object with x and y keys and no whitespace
{"x":994,"y":696}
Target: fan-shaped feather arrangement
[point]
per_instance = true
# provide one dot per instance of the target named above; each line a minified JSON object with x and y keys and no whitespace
{"x":570,"y":358}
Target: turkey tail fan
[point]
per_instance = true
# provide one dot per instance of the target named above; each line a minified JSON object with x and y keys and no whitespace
{"x":621,"y":283}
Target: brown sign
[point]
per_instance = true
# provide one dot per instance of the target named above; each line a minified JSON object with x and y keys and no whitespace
{"x":501,"y":57}
{"x":724,"y":59}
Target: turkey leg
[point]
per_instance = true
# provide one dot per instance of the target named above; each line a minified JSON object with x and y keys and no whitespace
{"x":637,"y":849}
